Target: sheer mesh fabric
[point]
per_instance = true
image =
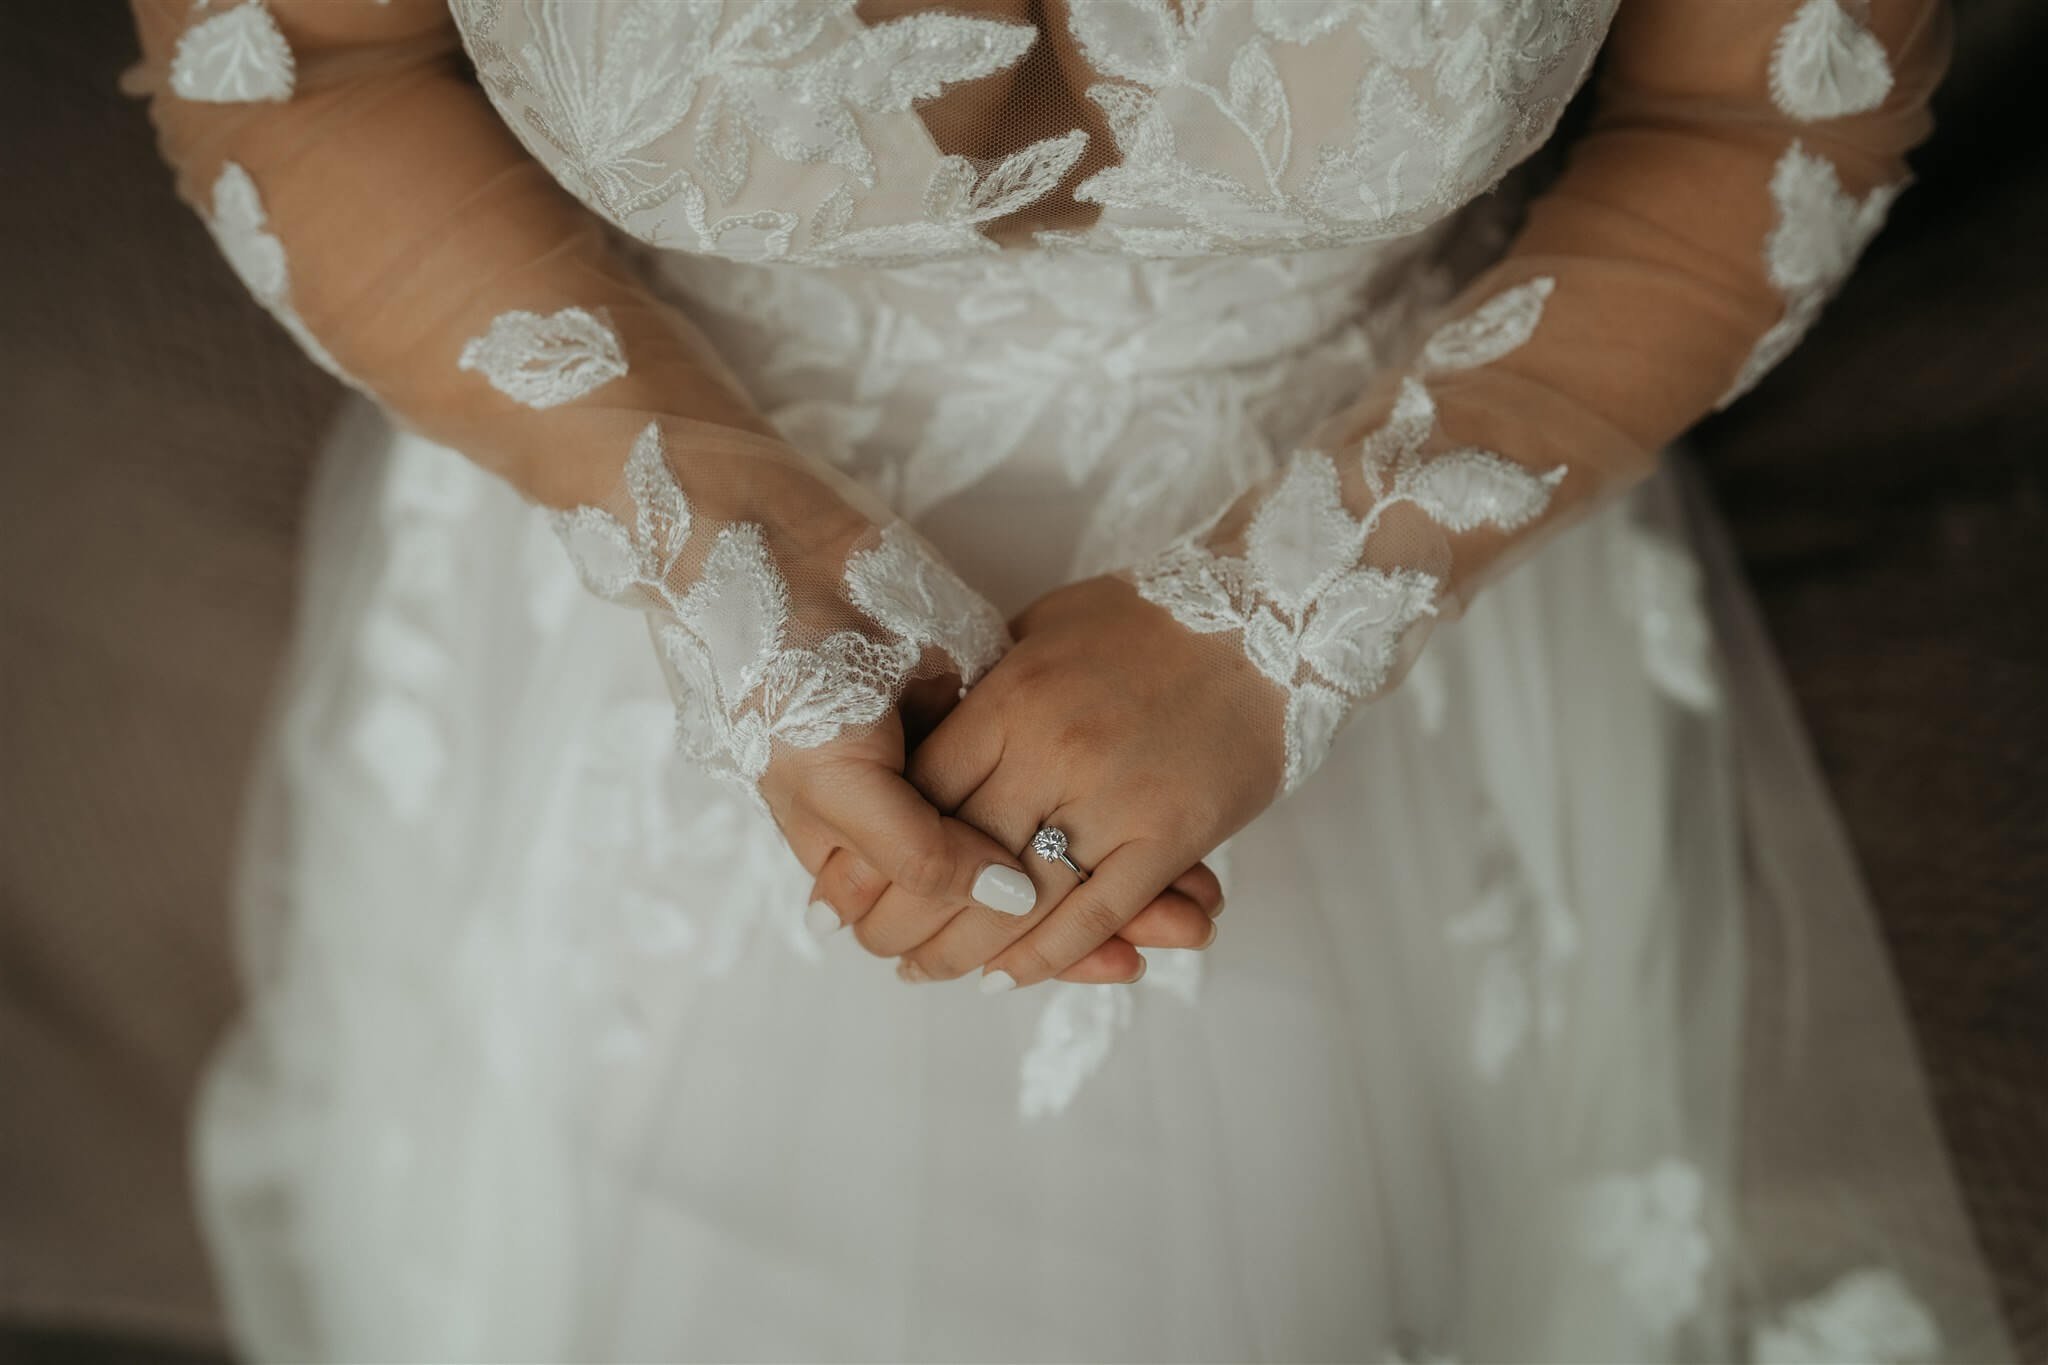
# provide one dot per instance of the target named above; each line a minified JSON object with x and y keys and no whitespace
{"x":447,"y":274}
{"x":432,"y":197}
{"x":1690,"y":240}
{"x":1741,"y":157}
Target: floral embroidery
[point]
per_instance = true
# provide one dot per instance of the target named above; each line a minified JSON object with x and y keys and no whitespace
{"x":235,"y":57}
{"x":544,"y":362}
{"x":1649,"y":1230}
{"x":795,"y":79}
{"x":1527,"y":941}
{"x":1442,"y":107}
{"x":743,"y":681}
{"x":1311,"y":614}
{"x":1202,"y":100}
{"x":1077,"y":1029}
{"x":1826,"y":65}
{"x":400,"y":740}
{"x":1169,"y":382}
{"x":910,"y":592}
{"x":1657,"y":584}
{"x":253,"y":252}
{"x":1819,"y":234}
{"x":957,"y":200}
{"x":1869,"y":1317}
{"x":1502,"y":324}
{"x":1072,"y":1041}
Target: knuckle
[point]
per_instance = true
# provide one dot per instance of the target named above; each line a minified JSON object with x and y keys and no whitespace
{"x":1191,"y":928}
{"x":869,"y":937}
{"x":860,"y":881}
{"x":1097,"y":919}
{"x":1028,"y":963}
{"x":1080,"y":736}
{"x":1161,"y":802}
{"x":926,"y":869}
{"x":936,"y":966}
{"x":1027,"y":673}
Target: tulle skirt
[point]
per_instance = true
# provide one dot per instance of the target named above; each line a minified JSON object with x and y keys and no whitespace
{"x":1548,"y":1021}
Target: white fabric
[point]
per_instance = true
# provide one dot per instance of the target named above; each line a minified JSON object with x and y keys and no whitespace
{"x":544,"y":1065}
{"x":1547,"y":1021}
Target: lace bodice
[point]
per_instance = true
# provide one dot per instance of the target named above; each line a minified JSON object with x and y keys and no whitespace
{"x":795,"y":130}
{"x":1740,"y":158}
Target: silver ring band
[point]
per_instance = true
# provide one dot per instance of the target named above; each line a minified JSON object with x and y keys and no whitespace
{"x":1051,"y":844}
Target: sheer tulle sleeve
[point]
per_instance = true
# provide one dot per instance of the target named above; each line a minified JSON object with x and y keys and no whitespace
{"x":368,"y":195}
{"x":1740,"y":158}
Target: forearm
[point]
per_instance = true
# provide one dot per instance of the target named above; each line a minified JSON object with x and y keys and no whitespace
{"x":1724,"y":191}
{"x":389,"y":217}
{"x":372,"y":199}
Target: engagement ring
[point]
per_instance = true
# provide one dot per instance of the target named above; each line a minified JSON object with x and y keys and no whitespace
{"x":1051,"y":845}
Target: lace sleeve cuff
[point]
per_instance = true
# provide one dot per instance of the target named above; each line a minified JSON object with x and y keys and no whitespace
{"x":748,"y":669}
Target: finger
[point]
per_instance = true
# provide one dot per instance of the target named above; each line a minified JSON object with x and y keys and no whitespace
{"x":924,"y":854}
{"x":1203,"y":887}
{"x":1121,"y":885}
{"x":810,"y":838}
{"x":846,"y":889}
{"x":1010,"y":806}
{"x":1170,"y":921}
{"x":1115,"y":963}
{"x":961,"y":753}
{"x":899,"y":923}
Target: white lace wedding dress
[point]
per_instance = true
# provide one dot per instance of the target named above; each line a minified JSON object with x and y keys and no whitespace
{"x":1547,"y":1020}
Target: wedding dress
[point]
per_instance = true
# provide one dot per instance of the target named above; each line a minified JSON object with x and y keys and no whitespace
{"x":1548,"y":1020}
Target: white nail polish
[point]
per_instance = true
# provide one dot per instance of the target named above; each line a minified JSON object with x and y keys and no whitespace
{"x":995,"y":983}
{"x":822,"y":920}
{"x":1005,"y":889}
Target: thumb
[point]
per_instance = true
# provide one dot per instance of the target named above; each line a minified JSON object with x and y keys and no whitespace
{"x":928,"y":855}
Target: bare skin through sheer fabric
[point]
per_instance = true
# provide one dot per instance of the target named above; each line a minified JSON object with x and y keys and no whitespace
{"x":1469,"y":1084}
{"x":449,"y":276}
{"x":1689,"y":242}
{"x":1721,"y":194}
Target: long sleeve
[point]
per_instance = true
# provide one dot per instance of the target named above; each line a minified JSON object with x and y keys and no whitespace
{"x":368,"y":195}
{"x":1740,"y":157}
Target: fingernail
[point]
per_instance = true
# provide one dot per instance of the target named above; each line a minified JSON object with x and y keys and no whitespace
{"x":822,"y":920}
{"x":1005,"y":889}
{"x":1144,"y":965}
{"x":995,"y":983}
{"x":911,"y":973}
{"x":1214,"y":929}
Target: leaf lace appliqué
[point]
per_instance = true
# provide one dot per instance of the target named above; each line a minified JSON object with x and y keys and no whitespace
{"x":1316,"y":619}
{"x":242,"y":230}
{"x":1820,"y":231}
{"x":544,"y":362}
{"x":1448,"y":98}
{"x":1078,"y":1028}
{"x":1826,"y":65}
{"x":744,"y":677}
{"x":671,"y":147}
{"x":1525,"y":942}
{"x":235,"y":57}
{"x":1649,"y":1228}
{"x":1273,"y":126}
{"x":1869,"y":1316}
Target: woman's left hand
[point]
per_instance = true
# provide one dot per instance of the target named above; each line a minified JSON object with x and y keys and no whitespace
{"x":1148,"y":744}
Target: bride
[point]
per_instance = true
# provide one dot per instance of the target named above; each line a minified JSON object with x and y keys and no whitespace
{"x":1035,"y":438}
